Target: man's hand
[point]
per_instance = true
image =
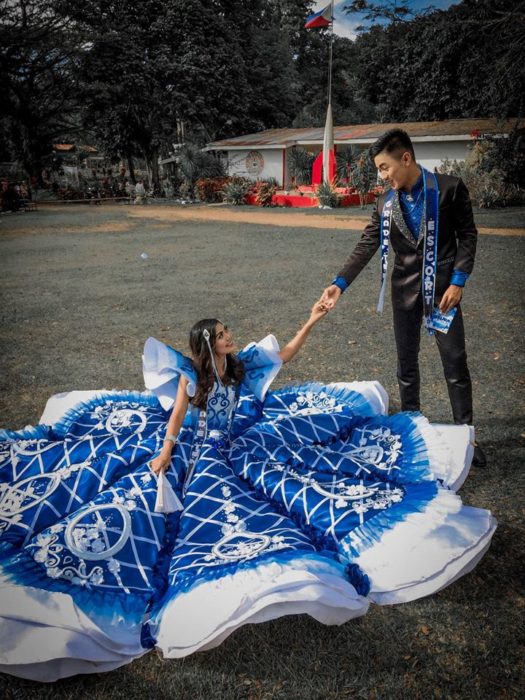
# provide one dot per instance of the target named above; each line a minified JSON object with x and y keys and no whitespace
{"x":330,"y":296}
{"x":450,"y":298}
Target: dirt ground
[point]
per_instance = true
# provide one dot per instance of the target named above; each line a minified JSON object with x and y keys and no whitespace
{"x":83,"y":287}
{"x":507,"y":222}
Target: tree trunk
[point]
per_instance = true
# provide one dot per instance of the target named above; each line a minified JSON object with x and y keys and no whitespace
{"x":131,"y":169}
{"x":152,"y":160}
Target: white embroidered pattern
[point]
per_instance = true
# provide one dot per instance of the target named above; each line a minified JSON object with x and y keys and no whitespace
{"x":118,"y":420}
{"x":361,"y":497}
{"x":90,"y":540}
{"x":238,"y":543}
{"x":378,"y":447}
{"x":310,"y":402}
{"x":27,"y":493}
{"x":48,"y":553}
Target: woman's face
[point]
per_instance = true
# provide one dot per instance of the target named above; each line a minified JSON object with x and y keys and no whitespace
{"x":224,"y":344}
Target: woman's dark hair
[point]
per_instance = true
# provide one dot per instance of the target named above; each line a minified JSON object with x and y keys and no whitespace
{"x":203,"y":363}
{"x":395,"y":142}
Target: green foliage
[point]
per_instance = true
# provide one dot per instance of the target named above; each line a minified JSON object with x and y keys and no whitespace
{"x":506,"y":154}
{"x":493,"y":171}
{"x":300,"y":162}
{"x":487,"y":189}
{"x":364,"y":176}
{"x":264,"y":192}
{"x":211,"y":189}
{"x":346,"y":157}
{"x":133,"y":78}
{"x":38,"y":56}
{"x":195,"y":164}
{"x":426,"y":69}
{"x":236,"y":190}
{"x":327,"y":195}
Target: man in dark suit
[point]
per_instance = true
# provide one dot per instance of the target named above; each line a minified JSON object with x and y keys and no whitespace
{"x":407,"y":227}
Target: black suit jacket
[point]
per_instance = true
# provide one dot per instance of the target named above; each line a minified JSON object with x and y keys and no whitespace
{"x":457,"y":238}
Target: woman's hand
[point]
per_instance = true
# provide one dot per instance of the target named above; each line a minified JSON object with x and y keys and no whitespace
{"x":319,"y":309}
{"x":161,"y":462}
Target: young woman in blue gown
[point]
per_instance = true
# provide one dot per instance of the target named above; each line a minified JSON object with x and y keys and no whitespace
{"x":172,"y":517}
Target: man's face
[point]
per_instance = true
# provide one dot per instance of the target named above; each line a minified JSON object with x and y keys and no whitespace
{"x":394,"y":169}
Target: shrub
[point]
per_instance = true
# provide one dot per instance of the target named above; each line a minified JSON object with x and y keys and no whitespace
{"x":69,"y":192}
{"x":186,"y":191}
{"x":194,"y":164}
{"x":505,"y":154}
{"x":211,"y":189}
{"x":346,"y":157}
{"x":493,"y":170}
{"x":300,"y":163}
{"x":236,"y":190}
{"x":327,"y":196}
{"x":487,"y":189}
{"x":264,"y":191}
{"x":364,"y":177}
{"x":515,"y":196}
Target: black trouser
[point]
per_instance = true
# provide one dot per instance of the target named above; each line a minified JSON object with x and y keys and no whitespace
{"x":451,"y":345}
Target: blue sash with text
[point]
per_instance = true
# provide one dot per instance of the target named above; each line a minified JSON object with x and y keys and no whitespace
{"x":431,"y":214}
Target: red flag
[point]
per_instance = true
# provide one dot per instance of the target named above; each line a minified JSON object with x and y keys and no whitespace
{"x":320,"y":19}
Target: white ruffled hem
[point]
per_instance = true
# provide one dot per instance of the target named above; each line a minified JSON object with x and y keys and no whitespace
{"x":46,"y":654}
{"x":59,"y":404}
{"x":459,"y":440}
{"x":34,"y":647}
{"x":208,"y":613}
{"x":372,"y":391}
{"x":427,"y":551}
{"x":450,"y":449}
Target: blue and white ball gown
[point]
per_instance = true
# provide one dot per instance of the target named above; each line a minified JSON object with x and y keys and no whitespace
{"x":308,"y":499}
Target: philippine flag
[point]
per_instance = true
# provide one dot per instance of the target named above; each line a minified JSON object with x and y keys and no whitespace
{"x":320,"y":19}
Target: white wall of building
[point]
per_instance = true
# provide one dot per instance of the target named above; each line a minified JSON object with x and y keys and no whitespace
{"x":257,"y":164}
{"x":261,"y":164}
{"x":430,"y":154}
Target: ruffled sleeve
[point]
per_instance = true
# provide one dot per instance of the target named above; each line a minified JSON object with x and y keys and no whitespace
{"x":162,"y":367}
{"x":261,"y":364}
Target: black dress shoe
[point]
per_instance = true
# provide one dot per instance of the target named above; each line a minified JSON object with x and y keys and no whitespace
{"x":479,"y":459}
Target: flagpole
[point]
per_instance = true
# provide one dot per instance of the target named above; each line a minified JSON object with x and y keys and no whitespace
{"x":331,"y":52}
{"x":328,"y":137}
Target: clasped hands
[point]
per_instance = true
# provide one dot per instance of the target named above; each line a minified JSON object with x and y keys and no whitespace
{"x":449,"y":300}
{"x":325,"y":303}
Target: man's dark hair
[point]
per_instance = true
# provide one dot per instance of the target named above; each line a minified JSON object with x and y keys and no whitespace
{"x":395,"y":142}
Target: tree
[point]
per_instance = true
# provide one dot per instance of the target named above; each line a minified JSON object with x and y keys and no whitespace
{"x":443,"y":64}
{"x":38,"y":56}
{"x":153,"y":65}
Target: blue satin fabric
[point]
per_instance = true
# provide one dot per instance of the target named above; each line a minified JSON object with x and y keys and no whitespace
{"x":279,"y":475}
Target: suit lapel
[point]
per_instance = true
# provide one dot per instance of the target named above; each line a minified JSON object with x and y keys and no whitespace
{"x":399,"y":220}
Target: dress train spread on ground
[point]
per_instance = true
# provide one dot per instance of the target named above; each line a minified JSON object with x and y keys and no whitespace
{"x":308,"y":499}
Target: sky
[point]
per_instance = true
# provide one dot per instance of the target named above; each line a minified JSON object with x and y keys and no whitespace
{"x":345,"y":24}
